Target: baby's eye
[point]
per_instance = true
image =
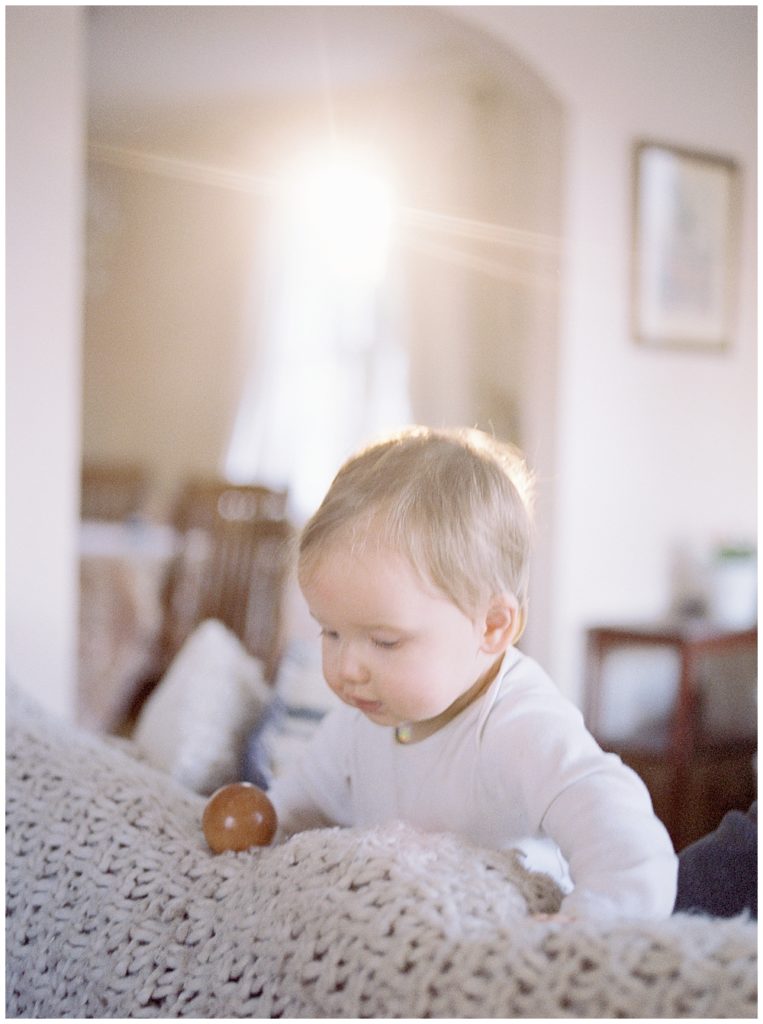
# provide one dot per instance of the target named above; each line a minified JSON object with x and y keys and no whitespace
{"x":329,"y":634}
{"x":386,"y":645}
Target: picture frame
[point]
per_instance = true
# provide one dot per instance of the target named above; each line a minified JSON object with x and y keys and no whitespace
{"x":685,"y":215}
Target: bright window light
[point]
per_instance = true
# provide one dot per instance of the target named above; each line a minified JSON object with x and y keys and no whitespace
{"x":331,"y":369}
{"x":343,"y":207}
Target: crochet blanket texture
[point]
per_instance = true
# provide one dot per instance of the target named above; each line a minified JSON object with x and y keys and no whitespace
{"x":115,"y":908}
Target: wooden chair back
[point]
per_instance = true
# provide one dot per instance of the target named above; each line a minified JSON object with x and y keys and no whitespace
{"x":203,"y":503}
{"x":235,"y":572}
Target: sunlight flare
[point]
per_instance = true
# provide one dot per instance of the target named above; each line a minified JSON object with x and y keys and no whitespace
{"x":344,"y":205}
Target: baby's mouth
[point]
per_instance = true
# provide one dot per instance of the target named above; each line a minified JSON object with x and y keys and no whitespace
{"x":368,"y":707}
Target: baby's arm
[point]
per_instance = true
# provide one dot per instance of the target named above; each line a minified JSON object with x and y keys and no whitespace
{"x":315,"y":791}
{"x":620,"y":856}
{"x":597,"y":810}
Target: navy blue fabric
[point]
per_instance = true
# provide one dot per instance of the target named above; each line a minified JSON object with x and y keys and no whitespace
{"x":718,"y":875}
{"x":255,"y":765}
{"x":280,"y":719}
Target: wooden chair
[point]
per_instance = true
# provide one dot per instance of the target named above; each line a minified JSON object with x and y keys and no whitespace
{"x":235,"y":572}
{"x":113,"y":491}
{"x":204,"y":502}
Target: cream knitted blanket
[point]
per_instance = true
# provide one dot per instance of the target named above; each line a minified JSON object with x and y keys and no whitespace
{"x":116,"y":908}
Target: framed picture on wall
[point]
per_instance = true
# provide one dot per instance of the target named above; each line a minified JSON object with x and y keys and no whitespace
{"x":684,"y":246}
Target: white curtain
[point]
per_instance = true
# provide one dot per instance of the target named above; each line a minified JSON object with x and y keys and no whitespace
{"x":330,"y":370}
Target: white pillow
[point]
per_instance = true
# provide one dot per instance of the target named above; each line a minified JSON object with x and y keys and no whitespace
{"x":195,"y":723}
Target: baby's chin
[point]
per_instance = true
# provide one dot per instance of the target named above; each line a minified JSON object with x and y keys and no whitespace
{"x":380,"y":715}
{"x":390,"y":719}
{"x":372,"y":709}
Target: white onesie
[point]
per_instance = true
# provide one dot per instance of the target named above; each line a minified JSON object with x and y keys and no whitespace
{"x":517,"y":768}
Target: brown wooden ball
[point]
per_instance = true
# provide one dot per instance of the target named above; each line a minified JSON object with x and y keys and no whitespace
{"x":237,"y":817}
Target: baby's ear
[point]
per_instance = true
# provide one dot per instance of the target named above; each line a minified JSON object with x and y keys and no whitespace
{"x":504,"y":622}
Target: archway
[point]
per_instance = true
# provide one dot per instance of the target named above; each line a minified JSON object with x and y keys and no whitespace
{"x":182,"y":151}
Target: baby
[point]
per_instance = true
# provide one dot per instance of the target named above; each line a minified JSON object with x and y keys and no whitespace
{"x":415,"y":567}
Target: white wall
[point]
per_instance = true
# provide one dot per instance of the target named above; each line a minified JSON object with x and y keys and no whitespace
{"x":44,"y":175}
{"x":654,"y":448}
{"x":164,"y":356}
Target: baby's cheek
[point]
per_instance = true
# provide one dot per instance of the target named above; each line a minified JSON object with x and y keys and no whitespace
{"x":414,"y":695}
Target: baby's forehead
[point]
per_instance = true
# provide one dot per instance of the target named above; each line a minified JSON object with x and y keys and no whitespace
{"x":365,"y":583}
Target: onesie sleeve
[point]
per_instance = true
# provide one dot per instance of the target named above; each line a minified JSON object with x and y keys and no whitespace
{"x":596,"y":809}
{"x":620,"y":856}
{"x":315,"y":791}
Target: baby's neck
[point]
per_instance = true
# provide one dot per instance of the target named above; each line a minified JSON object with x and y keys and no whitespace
{"x":413,"y":732}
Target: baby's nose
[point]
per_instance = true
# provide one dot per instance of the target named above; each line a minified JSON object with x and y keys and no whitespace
{"x":352,"y":668}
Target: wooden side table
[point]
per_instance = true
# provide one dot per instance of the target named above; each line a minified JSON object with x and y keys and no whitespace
{"x":686,"y":744}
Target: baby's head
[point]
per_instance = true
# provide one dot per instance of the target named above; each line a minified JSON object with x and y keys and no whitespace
{"x":455,"y":503}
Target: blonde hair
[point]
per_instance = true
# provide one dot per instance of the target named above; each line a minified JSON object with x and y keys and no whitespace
{"x":455,"y":502}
